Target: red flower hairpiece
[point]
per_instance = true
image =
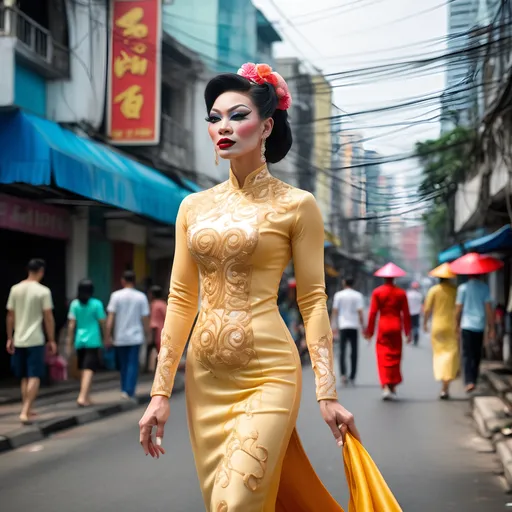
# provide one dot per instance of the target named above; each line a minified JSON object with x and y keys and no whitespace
{"x":262,"y":73}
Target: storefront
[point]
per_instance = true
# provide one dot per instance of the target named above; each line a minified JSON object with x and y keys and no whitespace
{"x":29,"y":229}
{"x":93,"y":211}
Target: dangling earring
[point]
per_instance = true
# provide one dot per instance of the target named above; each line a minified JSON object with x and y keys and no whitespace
{"x":263,"y":149}
{"x":216,"y":156}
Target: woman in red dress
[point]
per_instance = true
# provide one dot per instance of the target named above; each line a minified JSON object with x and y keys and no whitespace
{"x":390,"y":302}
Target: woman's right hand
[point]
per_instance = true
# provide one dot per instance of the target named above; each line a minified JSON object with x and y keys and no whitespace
{"x":156,"y":415}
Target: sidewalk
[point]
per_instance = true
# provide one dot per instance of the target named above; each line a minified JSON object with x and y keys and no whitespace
{"x":59,"y":411}
{"x":11,"y":393}
{"x":492,"y":414}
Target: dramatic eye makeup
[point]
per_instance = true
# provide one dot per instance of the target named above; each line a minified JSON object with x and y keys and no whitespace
{"x":212,"y":119}
{"x":234,"y":114}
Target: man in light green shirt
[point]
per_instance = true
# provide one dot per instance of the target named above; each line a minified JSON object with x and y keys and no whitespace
{"x":30,"y":306}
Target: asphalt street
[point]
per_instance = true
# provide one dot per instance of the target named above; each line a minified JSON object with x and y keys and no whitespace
{"x":426,"y":450}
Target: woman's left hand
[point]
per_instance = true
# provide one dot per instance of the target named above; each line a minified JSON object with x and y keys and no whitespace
{"x":340,"y":420}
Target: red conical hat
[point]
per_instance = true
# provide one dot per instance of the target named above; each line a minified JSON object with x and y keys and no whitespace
{"x":390,"y":270}
{"x":473,"y":264}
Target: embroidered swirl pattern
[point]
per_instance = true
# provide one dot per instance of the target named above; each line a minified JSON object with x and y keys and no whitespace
{"x":222,"y":507}
{"x":321,"y":353}
{"x":166,"y":369}
{"x":222,"y":240}
{"x":243,"y":450}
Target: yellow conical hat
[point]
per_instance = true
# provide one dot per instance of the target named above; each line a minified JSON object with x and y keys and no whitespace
{"x":443,"y":272}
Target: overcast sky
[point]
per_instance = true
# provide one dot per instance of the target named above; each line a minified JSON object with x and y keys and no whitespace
{"x":350,"y":34}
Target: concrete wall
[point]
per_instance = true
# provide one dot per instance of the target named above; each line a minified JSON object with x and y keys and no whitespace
{"x":7,"y":74}
{"x":20,"y":85}
{"x":194,"y":23}
{"x":466,"y":201}
{"x":204,"y":155}
{"x":77,"y":251}
{"x":82,"y":98}
{"x":29,"y":90}
{"x":237,"y":34}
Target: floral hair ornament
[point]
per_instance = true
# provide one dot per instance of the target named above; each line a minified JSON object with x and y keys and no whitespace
{"x":261,"y":74}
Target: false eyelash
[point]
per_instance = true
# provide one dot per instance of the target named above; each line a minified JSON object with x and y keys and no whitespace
{"x":211,"y":119}
{"x":239,"y":115}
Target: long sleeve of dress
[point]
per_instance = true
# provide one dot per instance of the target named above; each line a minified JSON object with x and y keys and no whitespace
{"x":181,"y":309}
{"x":308,"y":259}
{"x":372,"y":315}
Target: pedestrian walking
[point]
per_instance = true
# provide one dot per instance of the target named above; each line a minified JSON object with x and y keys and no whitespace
{"x":474,"y":312}
{"x":390,"y":303}
{"x":415,"y":302}
{"x":158,"y":308}
{"x":440,"y":307}
{"x":243,"y":378}
{"x":128,"y":329}
{"x":29,"y":307}
{"x":347,"y":316}
{"x":86,"y":330}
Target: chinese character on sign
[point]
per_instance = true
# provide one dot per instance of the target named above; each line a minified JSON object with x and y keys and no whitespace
{"x":135,"y":64}
{"x":130,"y":23}
{"x":139,"y":48}
{"x":131,"y":102}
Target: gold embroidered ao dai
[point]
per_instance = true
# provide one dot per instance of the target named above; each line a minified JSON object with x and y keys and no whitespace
{"x":243,"y":375}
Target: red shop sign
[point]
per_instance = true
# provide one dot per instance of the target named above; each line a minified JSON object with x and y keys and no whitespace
{"x":35,"y":218}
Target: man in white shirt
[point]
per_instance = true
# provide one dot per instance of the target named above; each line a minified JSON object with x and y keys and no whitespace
{"x":128,"y":327}
{"x":347,"y":313}
{"x":415,"y":300}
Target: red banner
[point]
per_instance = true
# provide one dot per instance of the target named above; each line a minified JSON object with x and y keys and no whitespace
{"x":134,"y":74}
{"x":31,"y":217}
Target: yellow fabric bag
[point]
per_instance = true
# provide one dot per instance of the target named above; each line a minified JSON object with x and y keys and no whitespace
{"x":368,"y":490}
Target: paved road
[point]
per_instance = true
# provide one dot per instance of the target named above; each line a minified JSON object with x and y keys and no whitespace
{"x":424,"y":448}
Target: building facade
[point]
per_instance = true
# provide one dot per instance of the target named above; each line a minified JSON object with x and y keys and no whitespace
{"x":465,"y":45}
{"x":322,"y":145}
{"x":297,"y":168}
{"x":208,"y":29}
{"x":66,"y":195}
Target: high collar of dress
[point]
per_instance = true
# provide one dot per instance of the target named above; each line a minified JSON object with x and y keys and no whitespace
{"x":257,"y":177}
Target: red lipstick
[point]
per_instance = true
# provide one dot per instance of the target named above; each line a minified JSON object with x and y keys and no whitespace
{"x":225,"y":143}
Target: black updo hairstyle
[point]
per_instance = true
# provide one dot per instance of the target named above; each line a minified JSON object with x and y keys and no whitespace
{"x":265,"y":98}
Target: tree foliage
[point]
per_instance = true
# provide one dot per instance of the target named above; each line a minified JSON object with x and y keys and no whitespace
{"x":446,"y":161}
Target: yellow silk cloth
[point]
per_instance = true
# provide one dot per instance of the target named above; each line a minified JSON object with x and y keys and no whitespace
{"x":368,"y":490}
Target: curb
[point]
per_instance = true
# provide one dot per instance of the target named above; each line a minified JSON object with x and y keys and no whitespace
{"x":490,"y":415}
{"x":39,"y":431}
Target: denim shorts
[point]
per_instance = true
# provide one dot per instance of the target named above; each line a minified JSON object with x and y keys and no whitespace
{"x":29,"y":362}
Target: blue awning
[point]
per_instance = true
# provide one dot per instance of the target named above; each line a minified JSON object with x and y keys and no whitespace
{"x":193,"y":186}
{"x":498,"y":241}
{"x":34,"y":149}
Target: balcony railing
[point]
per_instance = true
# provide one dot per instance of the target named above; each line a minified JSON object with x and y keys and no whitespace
{"x":36,"y":42}
{"x":175,"y":144}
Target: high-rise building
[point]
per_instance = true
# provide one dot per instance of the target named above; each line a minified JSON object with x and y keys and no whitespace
{"x":353,"y":187}
{"x":322,"y":150}
{"x":373,"y":171}
{"x":456,"y":99}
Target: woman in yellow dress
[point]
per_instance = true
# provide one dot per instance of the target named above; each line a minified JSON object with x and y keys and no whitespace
{"x":440,"y":305}
{"x":243,"y":371}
